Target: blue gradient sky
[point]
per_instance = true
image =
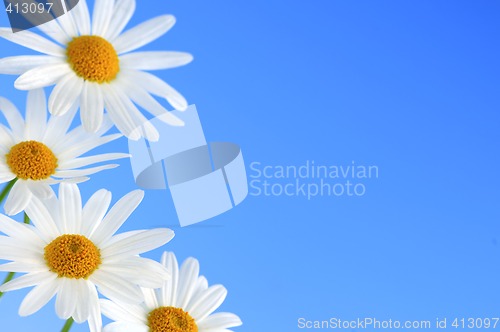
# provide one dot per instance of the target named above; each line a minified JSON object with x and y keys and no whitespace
{"x":408,"y":86}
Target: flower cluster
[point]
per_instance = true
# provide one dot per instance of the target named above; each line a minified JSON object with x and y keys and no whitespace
{"x":70,"y":250}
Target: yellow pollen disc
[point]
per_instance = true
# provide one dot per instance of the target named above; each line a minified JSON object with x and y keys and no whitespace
{"x":31,"y":160}
{"x":171,"y":319}
{"x":72,"y":256}
{"x":93,"y":58}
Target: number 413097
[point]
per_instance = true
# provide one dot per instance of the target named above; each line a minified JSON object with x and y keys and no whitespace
{"x":475,"y":323}
{"x":29,"y":8}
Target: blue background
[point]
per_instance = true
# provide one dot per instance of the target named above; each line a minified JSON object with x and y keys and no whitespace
{"x":409,"y":86}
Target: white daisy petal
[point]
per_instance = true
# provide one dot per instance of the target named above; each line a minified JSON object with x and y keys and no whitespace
{"x":70,"y":208}
{"x":220,"y":320}
{"x":103,"y":12}
{"x":150,"y":299}
{"x":211,"y":299}
{"x":138,"y":243}
{"x":155,"y":60}
{"x":39,"y":296}
{"x":72,"y":173}
{"x":142,"y":98}
{"x":65,"y":301}
{"x":27,"y":280}
{"x":13,"y":117}
{"x":36,"y":115}
{"x":57,"y":128}
{"x":40,"y":189}
{"x":54,"y":31}
{"x":143,"y":33}
{"x":169,"y":290}
{"x":16,"y":65}
{"x":95,"y":319}
{"x":18,"y":199}
{"x":86,"y":145}
{"x":94,"y":211}
{"x":121,"y":16}
{"x":130,"y":313}
{"x":41,"y":76}
{"x":68,"y":24}
{"x":85,"y":161}
{"x":201,"y":287}
{"x":117,"y":216}
{"x":82,"y":310}
{"x":65,"y":93}
{"x":116,"y":287}
{"x":188,"y":275}
{"x":133,"y":267}
{"x":24,"y":267}
{"x":17,"y":230}
{"x":81,"y":17}
{"x":156,"y":86}
{"x":126,"y":327}
{"x":42,"y":219}
{"x":92,"y":106}
{"x":32,"y":40}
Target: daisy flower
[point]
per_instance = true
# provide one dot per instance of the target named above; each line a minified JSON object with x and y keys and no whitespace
{"x":185,"y":303}
{"x":91,"y":61}
{"x":70,"y":250}
{"x":38,"y":153}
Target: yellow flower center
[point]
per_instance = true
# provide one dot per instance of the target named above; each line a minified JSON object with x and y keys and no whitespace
{"x":72,"y":256}
{"x":171,"y":319}
{"x":31,"y":160}
{"x":93,"y":58}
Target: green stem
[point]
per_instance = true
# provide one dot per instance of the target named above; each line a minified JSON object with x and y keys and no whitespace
{"x":7,"y":189}
{"x":26,"y":219}
{"x":6,"y":280}
{"x":68,"y":325}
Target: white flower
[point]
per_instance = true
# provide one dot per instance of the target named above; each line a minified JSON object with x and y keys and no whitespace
{"x":185,"y":303}
{"x":90,"y":62}
{"x":39,"y":153}
{"x":70,"y":250}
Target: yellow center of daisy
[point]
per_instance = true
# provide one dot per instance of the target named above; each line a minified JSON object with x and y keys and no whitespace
{"x":171,"y":319}
{"x":72,"y":256}
{"x":31,"y":160}
{"x":93,"y":58}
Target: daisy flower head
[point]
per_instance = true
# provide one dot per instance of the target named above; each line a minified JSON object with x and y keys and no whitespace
{"x":184,"y":303}
{"x":72,"y":252}
{"x":92,"y":62}
{"x":37,"y":152}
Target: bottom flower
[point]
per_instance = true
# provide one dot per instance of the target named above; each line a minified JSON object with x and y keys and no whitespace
{"x":70,"y":250}
{"x":185,"y":303}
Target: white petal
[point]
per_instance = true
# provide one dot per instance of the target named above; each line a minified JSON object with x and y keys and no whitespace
{"x":126,"y":327}
{"x":40,"y":189}
{"x":31,"y":40}
{"x":23,"y":267}
{"x":83,"y":172}
{"x":116,"y":288}
{"x":65,"y":93}
{"x":94,"y":211}
{"x":155,"y":60}
{"x":65,"y":302}
{"x":211,"y":299}
{"x":142,"y":98}
{"x":41,"y":76}
{"x":36,"y":115}
{"x":67,"y":23}
{"x":70,"y":204}
{"x":42,"y":219}
{"x":27,"y":280}
{"x":85,"y":161}
{"x":121,"y":16}
{"x":54,"y":31}
{"x":129,"y":313}
{"x":220,"y":320}
{"x":138,"y":243}
{"x":83,"y":290}
{"x":95,"y":319}
{"x":78,"y":149}
{"x":81,"y":17}
{"x":18,"y":199}
{"x":169,"y":289}
{"x":188,"y":277}
{"x":143,"y":33}
{"x":17,"y":65}
{"x":57,"y":128}
{"x":102,"y":14}
{"x":158,"y":87}
{"x":150,"y":299}
{"x":13,"y":117}
{"x":141,"y":271}
{"x":117,"y":216}
{"x":92,"y":107}
{"x":39,"y":296}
